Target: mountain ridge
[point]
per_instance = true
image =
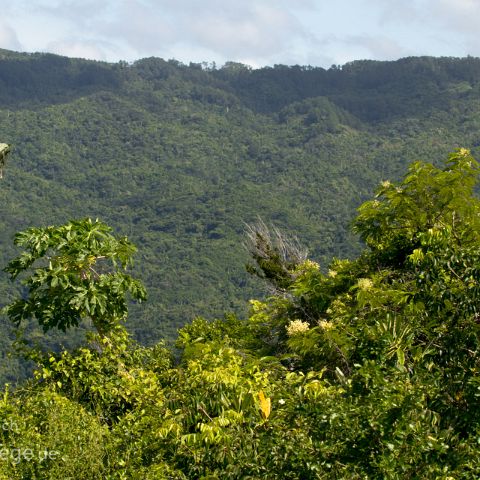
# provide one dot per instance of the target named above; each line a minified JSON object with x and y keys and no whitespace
{"x":179,"y":157}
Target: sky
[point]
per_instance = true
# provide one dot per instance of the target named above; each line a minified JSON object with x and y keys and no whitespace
{"x":254,"y":32}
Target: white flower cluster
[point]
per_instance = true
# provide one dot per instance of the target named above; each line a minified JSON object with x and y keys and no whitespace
{"x":311,"y":264}
{"x":325,"y":324}
{"x":296,"y":327}
{"x":364,"y":284}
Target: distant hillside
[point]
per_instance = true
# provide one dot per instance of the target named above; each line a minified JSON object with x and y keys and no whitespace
{"x":178,"y":157}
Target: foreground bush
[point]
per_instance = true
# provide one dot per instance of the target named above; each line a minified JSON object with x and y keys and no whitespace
{"x":368,"y":371}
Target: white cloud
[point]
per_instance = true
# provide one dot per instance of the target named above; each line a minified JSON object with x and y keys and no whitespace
{"x":82,"y":48}
{"x":262,"y":30}
{"x":226,"y":30}
{"x":378,"y":47}
{"x":390,"y":12}
{"x":461,"y":15}
{"x":8,"y":37}
{"x":454,"y":25}
{"x":257,"y":32}
{"x":428,"y":27}
{"x":355,"y":47}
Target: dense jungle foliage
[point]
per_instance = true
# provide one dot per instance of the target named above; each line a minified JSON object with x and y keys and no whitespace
{"x":180,"y":157}
{"x":369,"y":370}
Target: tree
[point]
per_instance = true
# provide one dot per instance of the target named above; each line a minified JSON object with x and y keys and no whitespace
{"x":275,"y":255}
{"x":77,"y":271}
{"x":4,"y":150}
{"x":396,"y":328}
{"x":373,"y":372}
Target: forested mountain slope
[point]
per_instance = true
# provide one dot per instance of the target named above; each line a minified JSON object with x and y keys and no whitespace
{"x":179,"y":157}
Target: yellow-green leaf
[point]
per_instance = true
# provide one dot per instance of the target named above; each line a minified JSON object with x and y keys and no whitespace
{"x":265,"y":405}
